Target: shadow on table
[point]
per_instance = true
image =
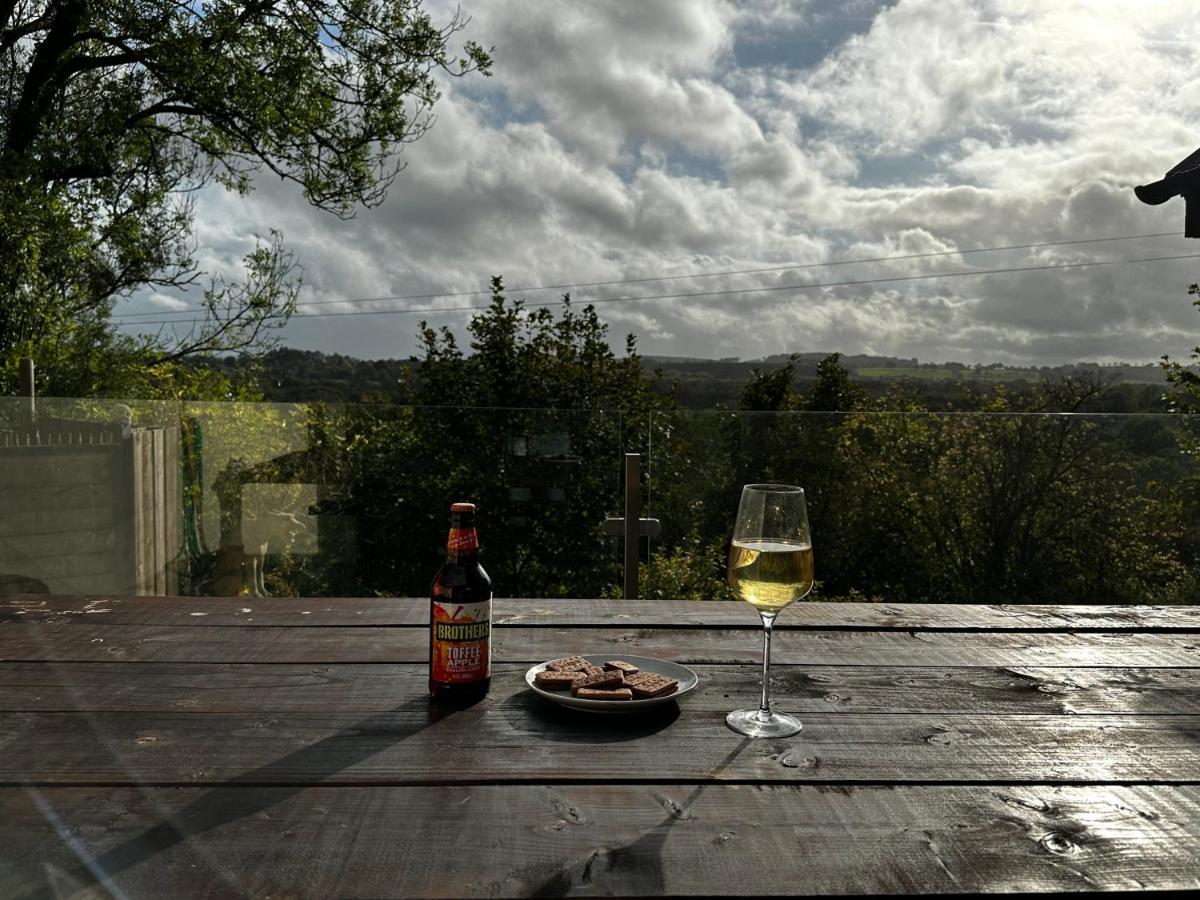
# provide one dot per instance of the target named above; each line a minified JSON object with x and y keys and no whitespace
{"x":549,"y":721}
{"x":212,"y":810}
{"x":641,"y":859}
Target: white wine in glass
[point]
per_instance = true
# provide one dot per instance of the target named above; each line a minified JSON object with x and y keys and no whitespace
{"x":770,"y":567}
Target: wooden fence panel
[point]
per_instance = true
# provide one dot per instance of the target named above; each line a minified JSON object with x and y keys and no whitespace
{"x":173,"y":510}
{"x":61,"y":514}
{"x":156,"y":510}
{"x":90,"y":506}
{"x":160,"y":513}
{"x":139,"y":508}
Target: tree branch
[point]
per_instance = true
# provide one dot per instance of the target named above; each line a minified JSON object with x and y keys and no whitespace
{"x":10,"y":36}
{"x":77,"y":172}
{"x":43,"y":68}
{"x":170,"y":105}
{"x":89,"y":63}
{"x":6,"y":11}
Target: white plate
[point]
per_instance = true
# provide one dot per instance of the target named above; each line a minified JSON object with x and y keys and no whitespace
{"x":686,"y":677}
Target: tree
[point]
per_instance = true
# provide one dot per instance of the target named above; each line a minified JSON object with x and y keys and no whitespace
{"x":771,"y":390}
{"x":114,"y":114}
{"x":833,"y":391}
{"x":530,"y":424}
{"x":1013,"y":502}
{"x":1184,"y":395}
{"x":1016,"y":499}
{"x":701,"y":459}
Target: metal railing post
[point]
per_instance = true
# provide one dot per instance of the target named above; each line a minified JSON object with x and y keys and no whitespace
{"x":632,"y":527}
{"x":633,"y":515}
{"x":29,"y":392}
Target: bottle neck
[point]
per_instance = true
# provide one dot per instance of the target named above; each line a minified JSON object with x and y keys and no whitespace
{"x":463,"y":542}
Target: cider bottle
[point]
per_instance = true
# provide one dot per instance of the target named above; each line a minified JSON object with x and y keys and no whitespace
{"x":460,"y":617}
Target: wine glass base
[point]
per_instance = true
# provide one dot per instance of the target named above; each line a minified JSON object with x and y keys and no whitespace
{"x":752,"y":723}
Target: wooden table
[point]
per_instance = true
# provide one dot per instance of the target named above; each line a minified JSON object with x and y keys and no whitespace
{"x":278,"y":747}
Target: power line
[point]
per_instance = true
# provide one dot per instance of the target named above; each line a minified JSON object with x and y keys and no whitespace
{"x":721,"y":293}
{"x":792,"y":266}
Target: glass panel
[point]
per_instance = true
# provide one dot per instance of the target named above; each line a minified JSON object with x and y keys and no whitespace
{"x":911,"y":507}
{"x":301,"y":499}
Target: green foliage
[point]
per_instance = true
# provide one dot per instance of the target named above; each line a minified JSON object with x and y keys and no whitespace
{"x":540,"y":411}
{"x":536,"y":360}
{"x":114,"y":114}
{"x":1020,"y":499}
{"x":1183,"y":396}
{"x":999,"y":506}
{"x":693,"y":569}
{"x":771,"y":391}
{"x":1007,"y":503}
{"x":1184,"y":381}
{"x":833,"y":390}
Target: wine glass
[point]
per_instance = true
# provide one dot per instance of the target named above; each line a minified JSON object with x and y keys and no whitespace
{"x":770,"y":566}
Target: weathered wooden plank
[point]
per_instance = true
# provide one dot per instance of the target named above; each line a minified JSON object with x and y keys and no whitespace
{"x":54,"y":567}
{"x":595,"y":840}
{"x":286,"y":688}
{"x":56,"y":520}
{"x":392,"y":611}
{"x":18,"y":523}
{"x":79,"y":466}
{"x":90,"y":641}
{"x":40,"y":546}
{"x":158,"y":536}
{"x":520,"y":737}
{"x":173,"y":509}
{"x":72,"y":496}
{"x":143,"y":511}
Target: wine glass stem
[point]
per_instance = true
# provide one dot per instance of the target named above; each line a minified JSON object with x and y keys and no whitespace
{"x":764,"y":707}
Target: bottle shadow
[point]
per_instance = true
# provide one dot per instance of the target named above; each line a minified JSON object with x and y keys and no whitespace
{"x":317,"y":762}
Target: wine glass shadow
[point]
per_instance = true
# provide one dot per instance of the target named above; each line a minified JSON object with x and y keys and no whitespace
{"x":263,"y":788}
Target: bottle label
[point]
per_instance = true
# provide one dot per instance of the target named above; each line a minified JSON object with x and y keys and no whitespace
{"x":462,"y":645}
{"x":462,"y":539}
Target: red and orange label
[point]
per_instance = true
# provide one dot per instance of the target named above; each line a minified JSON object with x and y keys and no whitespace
{"x":462,"y":539}
{"x":462,"y":642}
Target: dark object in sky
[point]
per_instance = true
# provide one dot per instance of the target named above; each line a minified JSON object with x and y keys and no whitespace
{"x":1184,"y":179}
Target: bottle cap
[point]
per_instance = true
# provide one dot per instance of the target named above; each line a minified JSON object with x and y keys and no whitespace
{"x":462,"y":507}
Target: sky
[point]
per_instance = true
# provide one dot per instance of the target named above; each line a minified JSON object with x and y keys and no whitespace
{"x":619,"y":141}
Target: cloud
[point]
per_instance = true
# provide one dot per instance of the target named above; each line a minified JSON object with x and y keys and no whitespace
{"x":163,"y":301}
{"x":620,"y":141}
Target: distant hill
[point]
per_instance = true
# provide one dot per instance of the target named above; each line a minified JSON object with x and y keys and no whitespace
{"x":891,"y":368}
{"x":292,"y":376}
{"x":287,"y":375}
{"x":706,"y":383}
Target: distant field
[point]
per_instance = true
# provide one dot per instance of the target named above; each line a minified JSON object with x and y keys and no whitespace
{"x":918,"y":373}
{"x":931,"y":374}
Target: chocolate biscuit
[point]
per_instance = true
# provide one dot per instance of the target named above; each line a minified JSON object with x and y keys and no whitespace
{"x":619,"y":665}
{"x":553,"y":681}
{"x":651,"y":684}
{"x":568,"y":664}
{"x":597,"y":682}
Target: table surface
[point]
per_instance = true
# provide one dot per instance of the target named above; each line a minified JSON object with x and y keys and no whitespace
{"x":157,"y":747}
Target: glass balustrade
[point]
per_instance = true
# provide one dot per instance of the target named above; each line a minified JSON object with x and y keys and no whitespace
{"x":940,"y":507}
{"x":313,"y":499}
{"x":308,"y":499}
